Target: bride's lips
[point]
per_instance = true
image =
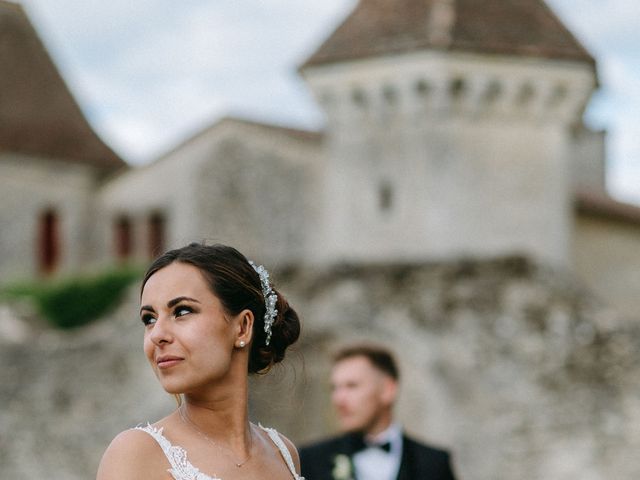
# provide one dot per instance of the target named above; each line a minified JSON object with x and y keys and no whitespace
{"x":167,"y":361}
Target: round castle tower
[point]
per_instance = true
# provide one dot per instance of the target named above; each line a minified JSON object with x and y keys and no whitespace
{"x":449,"y":130}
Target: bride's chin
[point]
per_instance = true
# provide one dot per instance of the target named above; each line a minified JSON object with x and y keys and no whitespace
{"x":174,"y":384}
{"x":177,"y":387}
{"x":173,"y":391}
{"x":173,"y":388}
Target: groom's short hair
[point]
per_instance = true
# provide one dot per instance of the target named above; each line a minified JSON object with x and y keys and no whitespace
{"x":379,"y":356}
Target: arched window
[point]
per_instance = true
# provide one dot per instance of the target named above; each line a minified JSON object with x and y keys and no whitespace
{"x":123,"y":237}
{"x":48,"y":241}
{"x":157,"y":241}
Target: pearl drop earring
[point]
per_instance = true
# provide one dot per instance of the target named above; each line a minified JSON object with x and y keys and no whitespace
{"x":242,"y":344}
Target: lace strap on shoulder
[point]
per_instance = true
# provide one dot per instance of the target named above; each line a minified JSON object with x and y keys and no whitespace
{"x":181,"y":468}
{"x":284,"y":451}
{"x":157,"y":435}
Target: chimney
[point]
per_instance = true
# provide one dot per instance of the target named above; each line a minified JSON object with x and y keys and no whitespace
{"x":440,"y":22}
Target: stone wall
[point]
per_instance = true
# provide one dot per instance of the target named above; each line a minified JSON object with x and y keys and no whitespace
{"x":31,"y":186}
{"x":63,"y":395}
{"x":516,"y":369}
{"x":237,"y":182}
{"x":257,"y":191}
{"x":605,"y":255}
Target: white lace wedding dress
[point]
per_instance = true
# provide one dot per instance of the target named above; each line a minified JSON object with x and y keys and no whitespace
{"x":181,"y":468}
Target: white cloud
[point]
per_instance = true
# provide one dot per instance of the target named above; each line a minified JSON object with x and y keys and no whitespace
{"x":176,"y":65}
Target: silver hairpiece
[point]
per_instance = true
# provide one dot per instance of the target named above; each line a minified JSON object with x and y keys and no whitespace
{"x":270,"y":299}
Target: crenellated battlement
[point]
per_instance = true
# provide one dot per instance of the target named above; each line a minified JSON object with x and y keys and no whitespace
{"x":432,"y":85}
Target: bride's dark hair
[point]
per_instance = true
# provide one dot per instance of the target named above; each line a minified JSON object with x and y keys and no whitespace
{"x":234,"y":281}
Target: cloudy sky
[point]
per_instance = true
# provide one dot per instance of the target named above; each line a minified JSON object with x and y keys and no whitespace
{"x":148,"y":73}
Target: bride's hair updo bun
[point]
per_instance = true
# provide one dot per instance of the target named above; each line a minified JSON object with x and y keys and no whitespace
{"x":284,"y":332}
{"x":238,"y":286}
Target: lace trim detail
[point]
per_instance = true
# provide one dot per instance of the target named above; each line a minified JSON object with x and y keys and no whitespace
{"x":284,"y":451}
{"x":181,"y":468}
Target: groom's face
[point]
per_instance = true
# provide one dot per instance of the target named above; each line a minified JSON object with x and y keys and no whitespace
{"x":362,"y":395}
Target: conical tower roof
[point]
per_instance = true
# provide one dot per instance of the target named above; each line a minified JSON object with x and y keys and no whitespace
{"x":38,"y":114}
{"x":507,"y":27}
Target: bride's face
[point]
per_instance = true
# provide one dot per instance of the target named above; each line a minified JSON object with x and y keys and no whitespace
{"x":189,"y":339}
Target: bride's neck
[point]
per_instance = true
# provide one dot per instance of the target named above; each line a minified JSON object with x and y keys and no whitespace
{"x":223,"y":415}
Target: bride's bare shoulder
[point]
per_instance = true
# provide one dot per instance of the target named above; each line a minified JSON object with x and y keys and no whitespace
{"x":132,"y":454}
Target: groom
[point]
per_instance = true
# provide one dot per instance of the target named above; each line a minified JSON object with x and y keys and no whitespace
{"x":364,"y":382}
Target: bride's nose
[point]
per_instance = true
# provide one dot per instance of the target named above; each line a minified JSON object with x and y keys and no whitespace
{"x":162,"y":331}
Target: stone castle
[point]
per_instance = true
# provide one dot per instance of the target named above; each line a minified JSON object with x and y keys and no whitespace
{"x":453,"y":129}
{"x":453,"y":206}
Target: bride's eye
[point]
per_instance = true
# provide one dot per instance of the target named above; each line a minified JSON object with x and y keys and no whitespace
{"x":182,"y":310}
{"x":147,"y":319}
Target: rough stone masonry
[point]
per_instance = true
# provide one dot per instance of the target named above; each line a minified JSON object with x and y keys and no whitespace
{"x":514,"y":367}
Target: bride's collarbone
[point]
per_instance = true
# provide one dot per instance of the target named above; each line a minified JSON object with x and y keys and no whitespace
{"x":258,"y":471}
{"x":265,"y":461}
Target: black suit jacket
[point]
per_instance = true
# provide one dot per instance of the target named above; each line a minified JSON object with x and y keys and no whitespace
{"x":419,"y":462}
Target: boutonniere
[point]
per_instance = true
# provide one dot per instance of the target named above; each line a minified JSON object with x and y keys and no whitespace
{"x":342,"y":467}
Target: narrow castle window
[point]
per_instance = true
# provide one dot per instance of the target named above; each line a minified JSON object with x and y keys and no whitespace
{"x":385,"y":196}
{"x":49,"y":242}
{"x":492,"y":92}
{"x":157,"y":229}
{"x":457,"y":87}
{"x":422,"y":87}
{"x":390,"y":94}
{"x":525,"y":94}
{"x":327,"y":98}
{"x":558,"y":94}
{"x":359,"y":98}
{"x":123,"y":237}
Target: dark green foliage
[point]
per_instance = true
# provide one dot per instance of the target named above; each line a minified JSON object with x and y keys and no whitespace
{"x":73,"y":302}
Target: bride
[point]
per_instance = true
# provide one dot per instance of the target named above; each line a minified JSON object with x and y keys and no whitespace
{"x":210,"y":317}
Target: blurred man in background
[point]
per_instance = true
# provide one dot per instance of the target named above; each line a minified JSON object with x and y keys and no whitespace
{"x":364,"y":381}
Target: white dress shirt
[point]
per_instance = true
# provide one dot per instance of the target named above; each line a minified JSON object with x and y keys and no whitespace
{"x":373,"y":463}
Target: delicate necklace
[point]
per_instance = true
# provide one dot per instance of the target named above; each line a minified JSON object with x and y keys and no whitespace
{"x":187,"y":420}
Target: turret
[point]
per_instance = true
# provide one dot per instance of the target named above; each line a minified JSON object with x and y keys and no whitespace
{"x":449,"y":130}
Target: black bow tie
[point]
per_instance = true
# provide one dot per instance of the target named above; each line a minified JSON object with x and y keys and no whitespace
{"x":359,"y":444}
{"x":386,"y":446}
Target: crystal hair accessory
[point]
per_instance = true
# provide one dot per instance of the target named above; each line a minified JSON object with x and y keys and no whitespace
{"x":270,"y":299}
